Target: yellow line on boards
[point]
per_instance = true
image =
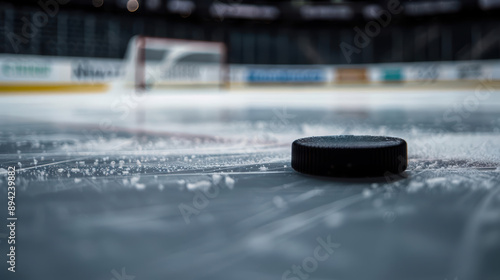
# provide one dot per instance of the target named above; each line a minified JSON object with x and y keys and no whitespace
{"x":56,"y":88}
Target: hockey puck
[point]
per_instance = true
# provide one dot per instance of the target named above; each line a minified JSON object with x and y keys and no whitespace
{"x":349,"y":155}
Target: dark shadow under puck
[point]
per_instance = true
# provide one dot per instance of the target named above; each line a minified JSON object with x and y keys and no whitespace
{"x":350,"y":156}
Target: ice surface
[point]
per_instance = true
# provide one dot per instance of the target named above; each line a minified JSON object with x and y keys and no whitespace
{"x":103,"y":188}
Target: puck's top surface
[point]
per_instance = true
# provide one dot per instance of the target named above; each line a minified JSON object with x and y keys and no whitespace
{"x":349,"y":155}
{"x":349,"y":142}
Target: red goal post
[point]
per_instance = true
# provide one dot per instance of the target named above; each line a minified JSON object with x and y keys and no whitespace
{"x":155,"y":62}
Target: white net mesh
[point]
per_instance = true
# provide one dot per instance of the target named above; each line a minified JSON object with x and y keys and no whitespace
{"x":160,"y":62}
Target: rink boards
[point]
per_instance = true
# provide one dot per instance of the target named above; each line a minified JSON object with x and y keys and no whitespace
{"x":22,"y":73}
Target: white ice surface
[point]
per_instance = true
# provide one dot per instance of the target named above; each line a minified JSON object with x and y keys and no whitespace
{"x":135,"y":160}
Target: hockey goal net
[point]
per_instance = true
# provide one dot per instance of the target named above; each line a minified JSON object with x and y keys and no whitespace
{"x":156,"y":63}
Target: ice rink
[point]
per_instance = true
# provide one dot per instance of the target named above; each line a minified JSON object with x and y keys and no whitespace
{"x":198,"y":185}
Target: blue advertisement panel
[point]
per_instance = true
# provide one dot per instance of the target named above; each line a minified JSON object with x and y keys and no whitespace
{"x":286,"y":75}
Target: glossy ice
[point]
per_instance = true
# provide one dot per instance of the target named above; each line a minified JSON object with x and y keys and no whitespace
{"x":199,"y":186}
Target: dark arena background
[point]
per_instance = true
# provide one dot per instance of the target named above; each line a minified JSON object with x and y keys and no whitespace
{"x":151,"y":139}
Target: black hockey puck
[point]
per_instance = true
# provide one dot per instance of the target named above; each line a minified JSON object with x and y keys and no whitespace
{"x":350,"y":155}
